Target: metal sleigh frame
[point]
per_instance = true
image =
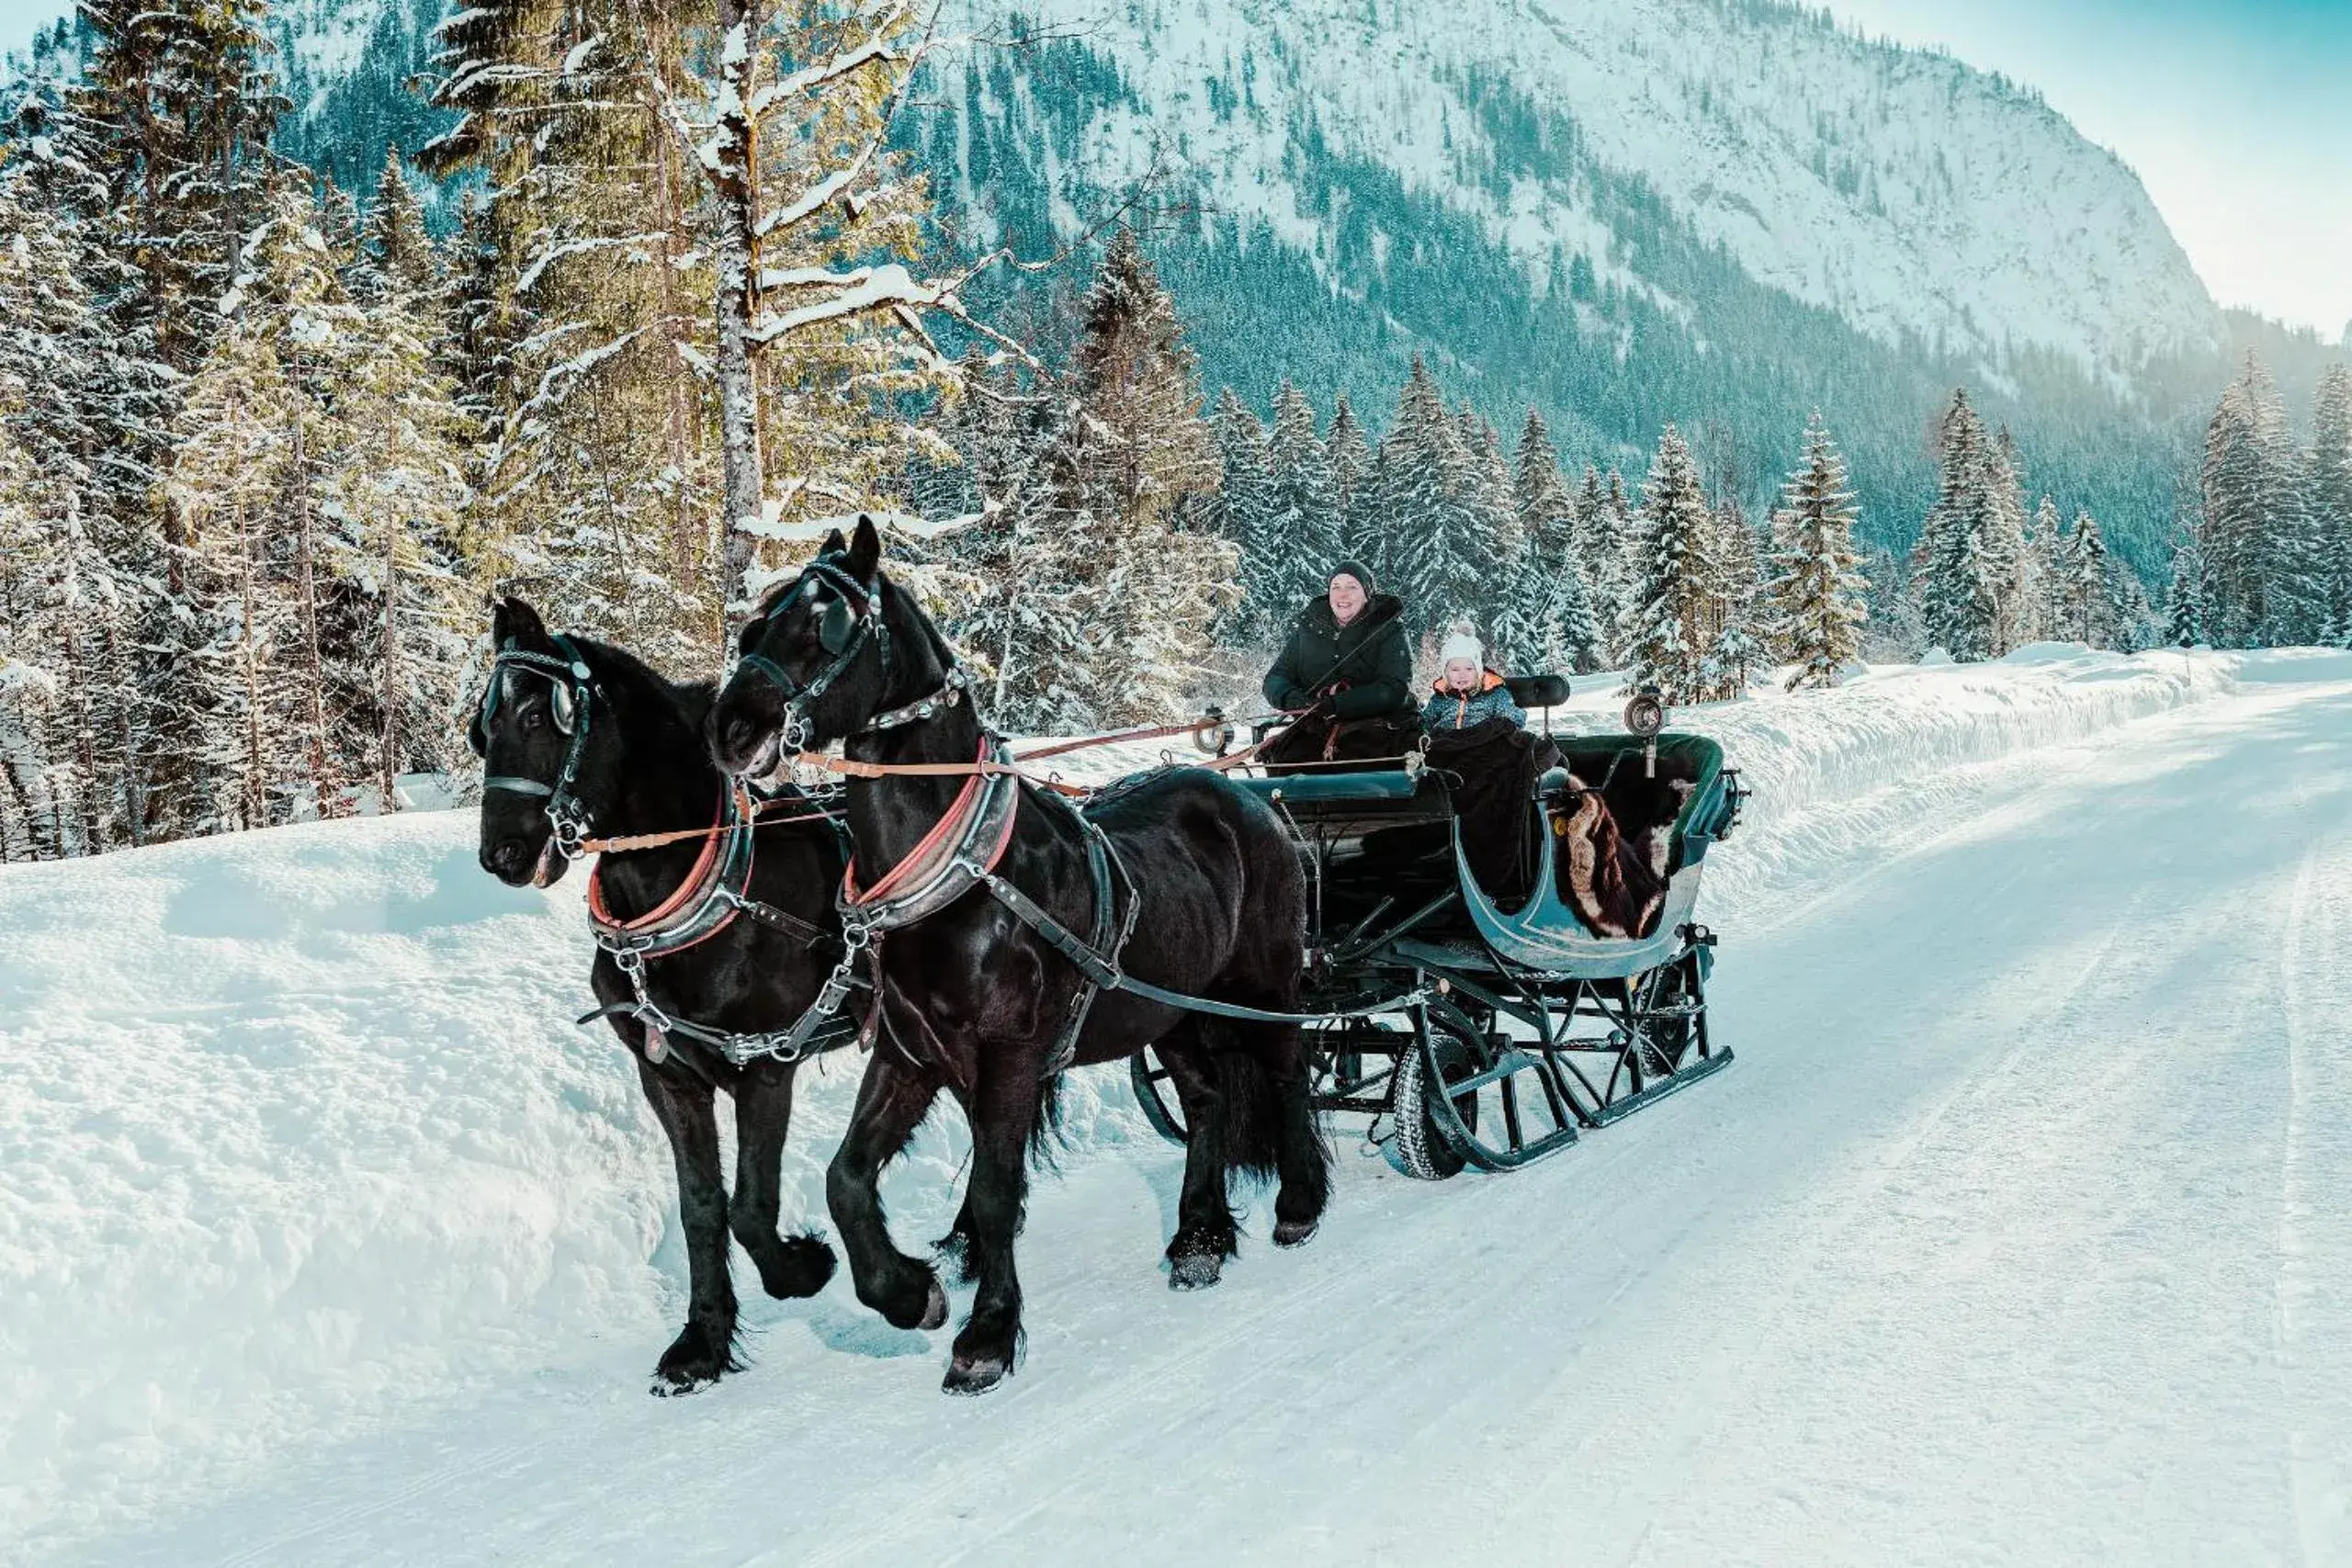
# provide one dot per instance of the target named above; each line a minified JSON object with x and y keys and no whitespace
{"x":1535,"y":1031}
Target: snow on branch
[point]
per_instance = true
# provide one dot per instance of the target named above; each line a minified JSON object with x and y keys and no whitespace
{"x":540,"y":263}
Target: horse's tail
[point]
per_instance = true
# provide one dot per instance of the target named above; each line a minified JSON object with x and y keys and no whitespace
{"x":1046,"y":1138}
{"x":1244,"y":1132}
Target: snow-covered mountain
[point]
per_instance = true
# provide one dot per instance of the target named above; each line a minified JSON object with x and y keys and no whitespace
{"x":1727,"y":213}
{"x":1903,"y":190}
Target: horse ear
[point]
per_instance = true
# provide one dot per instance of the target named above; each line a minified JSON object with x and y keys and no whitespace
{"x":864,"y":549}
{"x":518,"y":621}
{"x":834,"y":543}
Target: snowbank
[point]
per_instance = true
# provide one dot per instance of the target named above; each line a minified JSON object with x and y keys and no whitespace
{"x":295,"y":1132}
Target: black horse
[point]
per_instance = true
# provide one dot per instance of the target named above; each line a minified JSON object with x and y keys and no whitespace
{"x":975,"y":999}
{"x":575,"y":731}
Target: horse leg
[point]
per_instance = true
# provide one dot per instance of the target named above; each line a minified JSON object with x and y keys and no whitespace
{"x":892,"y":1101}
{"x":789,"y":1265}
{"x":1004,"y":1111}
{"x":1303,"y":1156}
{"x":705,"y":1347}
{"x":1204,"y":1234}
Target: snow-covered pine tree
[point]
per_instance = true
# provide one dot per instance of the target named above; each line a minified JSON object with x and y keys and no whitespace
{"x":1411,"y":492}
{"x":395,"y":254}
{"x":401,"y":598}
{"x":233,"y":462}
{"x":2185,"y":601}
{"x":1448,"y":553}
{"x":1307,"y":530}
{"x":1031,"y":628}
{"x":1244,"y":515}
{"x":1598,"y":552}
{"x":2091,"y":611}
{"x":1817,"y":595}
{"x":1507,"y":617}
{"x":1145,"y":458}
{"x":2001,"y":537}
{"x":2136,"y":624}
{"x":1544,"y":625}
{"x":2330,"y":496}
{"x":2042,"y":578}
{"x":68,"y":383}
{"x":2259,"y":556}
{"x":1620,"y":583}
{"x":167,"y":134}
{"x":1667,"y":645}
{"x":1734,"y":581}
{"x":718,"y":195}
{"x":1959,"y":561}
{"x":1350,"y":455}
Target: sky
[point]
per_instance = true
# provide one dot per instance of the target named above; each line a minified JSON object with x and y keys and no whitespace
{"x":2236,"y":114}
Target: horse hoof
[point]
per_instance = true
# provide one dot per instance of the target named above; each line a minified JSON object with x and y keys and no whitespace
{"x":934,"y":1311}
{"x":973,"y":1374}
{"x":1195,"y":1272}
{"x":694,"y":1361}
{"x":676,"y":1385}
{"x":1293,"y":1233}
{"x":801,"y":1266}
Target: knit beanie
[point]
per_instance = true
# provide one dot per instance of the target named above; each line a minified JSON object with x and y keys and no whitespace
{"x":1356,"y":570}
{"x":1461,"y":645}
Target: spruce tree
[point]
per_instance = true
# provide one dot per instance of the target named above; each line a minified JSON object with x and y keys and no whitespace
{"x":2041,"y":585}
{"x":1307,"y":530}
{"x":2330,"y":496}
{"x":1144,"y":457}
{"x":1244,"y":515}
{"x":1962,"y":565}
{"x":1817,"y":591}
{"x":2185,"y":603}
{"x":2091,"y":611}
{"x":1353,"y":489}
{"x":1420,"y":464}
{"x":1667,"y":646}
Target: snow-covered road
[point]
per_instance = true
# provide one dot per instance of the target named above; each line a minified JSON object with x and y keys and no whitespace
{"x":2020,"y":1231}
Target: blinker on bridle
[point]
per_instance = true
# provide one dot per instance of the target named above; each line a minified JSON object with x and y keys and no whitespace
{"x":571,"y":685}
{"x":842,"y":626}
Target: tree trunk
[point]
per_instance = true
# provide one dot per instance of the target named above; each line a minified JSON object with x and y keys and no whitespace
{"x":391,"y":680}
{"x":735,"y":183}
{"x":322,"y":770}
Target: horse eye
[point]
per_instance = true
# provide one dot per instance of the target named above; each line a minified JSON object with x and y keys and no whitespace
{"x":535,"y":718}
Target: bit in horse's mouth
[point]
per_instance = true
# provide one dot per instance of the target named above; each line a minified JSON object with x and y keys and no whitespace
{"x":765,"y":763}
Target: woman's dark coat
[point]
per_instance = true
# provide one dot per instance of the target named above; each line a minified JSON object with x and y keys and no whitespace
{"x":1364,"y":668}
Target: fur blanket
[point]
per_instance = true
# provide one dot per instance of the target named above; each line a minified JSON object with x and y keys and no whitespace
{"x":1616,"y":850}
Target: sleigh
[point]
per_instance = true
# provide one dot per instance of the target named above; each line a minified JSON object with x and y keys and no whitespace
{"x":1523,"y":1025}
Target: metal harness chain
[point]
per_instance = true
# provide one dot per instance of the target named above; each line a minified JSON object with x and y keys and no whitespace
{"x":808,"y":1034}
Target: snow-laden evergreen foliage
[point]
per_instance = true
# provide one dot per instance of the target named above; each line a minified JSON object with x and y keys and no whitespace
{"x":1095,"y":590}
{"x":1668,"y":633}
{"x":1816,"y":595}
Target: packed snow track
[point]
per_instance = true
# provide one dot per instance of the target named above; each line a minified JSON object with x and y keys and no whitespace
{"x":2017,"y":1234}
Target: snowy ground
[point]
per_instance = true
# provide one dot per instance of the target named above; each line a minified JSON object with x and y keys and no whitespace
{"x":2016,"y":1235}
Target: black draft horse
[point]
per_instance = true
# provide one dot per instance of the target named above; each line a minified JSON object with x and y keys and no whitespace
{"x":575,"y":730}
{"x":976,"y":1002}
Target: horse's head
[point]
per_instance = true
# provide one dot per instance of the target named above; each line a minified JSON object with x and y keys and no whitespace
{"x":533,"y":732}
{"x":820,"y":657}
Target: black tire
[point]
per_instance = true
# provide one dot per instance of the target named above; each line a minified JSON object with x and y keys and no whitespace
{"x":1669,"y":989}
{"x":1420,"y":1147}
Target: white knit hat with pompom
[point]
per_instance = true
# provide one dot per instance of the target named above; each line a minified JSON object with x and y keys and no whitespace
{"x":1460,"y":644}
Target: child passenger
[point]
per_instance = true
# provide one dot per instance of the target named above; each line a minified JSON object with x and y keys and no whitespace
{"x":1468,"y":693}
